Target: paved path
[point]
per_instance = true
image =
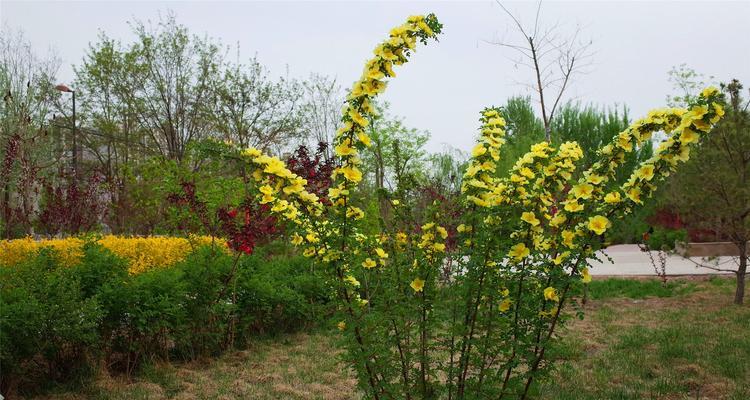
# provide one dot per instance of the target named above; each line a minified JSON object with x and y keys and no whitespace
{"x":630,"y":260}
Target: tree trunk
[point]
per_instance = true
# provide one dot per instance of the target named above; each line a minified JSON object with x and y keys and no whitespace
{"x":739,"y":294}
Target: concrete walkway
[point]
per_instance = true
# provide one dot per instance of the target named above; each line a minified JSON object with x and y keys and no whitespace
{"x":630,"y":260}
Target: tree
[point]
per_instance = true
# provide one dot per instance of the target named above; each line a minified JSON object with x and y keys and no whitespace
{"x":253,"y":110}
{"x":172,"y":74}
{"x":396,"y":151}
{"x":26,"y":146}
{"x":712,"y":190}
{"x":323,"y":99}
{"x":554,"y":59}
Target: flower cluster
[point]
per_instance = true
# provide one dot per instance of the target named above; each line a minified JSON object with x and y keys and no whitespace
{"x":352,"y":137}
{"x":480,"y":184}
{"x":142,"y":253}
{"x":69,"y":251}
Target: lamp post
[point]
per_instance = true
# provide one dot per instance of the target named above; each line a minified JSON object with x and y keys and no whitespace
{"x":66,"y":89}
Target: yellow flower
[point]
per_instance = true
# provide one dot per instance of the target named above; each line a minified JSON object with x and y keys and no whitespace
{"x":267,"y":198}
{"x":351,"y":280}
{"x":645,"y":172}
{"x":684,"y":154}
{"x":294,"y":188}
{"x":417,"y":284}
{"x":595,"y":179}
{"x":276,"y":167}
{"x":505,"y":305}
{"x":598,"y":224}
{"x":267,"y":190}
{"x":442,"y":232}
{"x":561,"y":257}
{"x":358,"y":118}
{"x":550,"y":293}
{"x":530,"y":218}
{"x":355,"y":212}
{"x":582,"y":191}
{"x":351,"y":173}
{"x":401,"y":238}
{"x":573,"y":206}
{"x":478,"y":201}
{"x":336,"y":192}
{"x":369,"y":263}
{"x":309,"y":252}
{"x":341,"y":325}
{"x":557,"y":220}
{"x":688,"y":136}
{"x":364,"y":139}
{"x":478,"y":150}
{"x":344,"y":148}
{"x":296,"y":239}
{"x":568,"y":237}
{"x":519,"y":251}
{"x":634,"y":194}
{"x":251,"y":152}
{"x":280,"y":206}
{"x":381,"y":253}
{"x":585,"y":276}
{"x":439,"y":247}
{"x":612,"y":198}
{"x":709,"y":91}
{"x":527,"y":172}
{"x":623,"y":141}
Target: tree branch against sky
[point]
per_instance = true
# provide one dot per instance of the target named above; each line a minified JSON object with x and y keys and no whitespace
{"x":554,"y":57}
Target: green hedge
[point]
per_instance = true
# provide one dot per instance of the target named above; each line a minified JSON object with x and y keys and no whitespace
{"x":59,"y":323}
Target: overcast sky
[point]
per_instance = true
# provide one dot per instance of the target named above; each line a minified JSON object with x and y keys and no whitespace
{"x":445,"y":85}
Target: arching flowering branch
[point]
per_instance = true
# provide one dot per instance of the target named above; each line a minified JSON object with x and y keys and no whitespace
{"x":521,"y":251}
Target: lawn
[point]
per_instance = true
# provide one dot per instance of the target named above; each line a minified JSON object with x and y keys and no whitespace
{"x":638,"y":340}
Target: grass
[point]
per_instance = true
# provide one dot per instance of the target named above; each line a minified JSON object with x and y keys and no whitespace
{"x":638,"y":340}
{"x":638,"y":288}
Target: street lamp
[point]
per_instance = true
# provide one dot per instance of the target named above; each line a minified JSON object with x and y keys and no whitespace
{"x":66,"y":89}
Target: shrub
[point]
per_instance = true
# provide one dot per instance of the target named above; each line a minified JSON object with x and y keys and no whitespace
{"x":48,"y":328}
{"x":277,"y":295}
{"x":521,"y":248}
{"x":60,"y":315}
{"x":665,"y":239}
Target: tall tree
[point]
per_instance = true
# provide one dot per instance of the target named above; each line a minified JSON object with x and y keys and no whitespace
{"x":172,"y":75}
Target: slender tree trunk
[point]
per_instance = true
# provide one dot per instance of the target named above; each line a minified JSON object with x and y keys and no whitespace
{"x":739,"y":294}
{"x":6,"y":210}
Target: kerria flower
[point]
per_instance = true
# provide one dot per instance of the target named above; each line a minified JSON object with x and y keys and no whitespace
{"x":417,"y":284}
{"x":598,"y":224}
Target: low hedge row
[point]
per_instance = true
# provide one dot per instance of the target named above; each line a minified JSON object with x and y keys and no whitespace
{"x":59,"y":323}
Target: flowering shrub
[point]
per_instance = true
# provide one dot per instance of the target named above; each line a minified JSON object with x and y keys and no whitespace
{"x":142,"y":253}
{"x":521,"y":249}
{"x":61,"y":320}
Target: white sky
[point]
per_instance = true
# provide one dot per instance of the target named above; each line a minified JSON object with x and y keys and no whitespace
{"x":447,"y":83}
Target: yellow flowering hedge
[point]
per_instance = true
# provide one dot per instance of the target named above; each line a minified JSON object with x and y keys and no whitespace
{"x":523,"y":244}
{"x":142,"y":253}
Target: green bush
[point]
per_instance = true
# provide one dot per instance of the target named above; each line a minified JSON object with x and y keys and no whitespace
{"x":145,"y":314}
{"x":278,"y":295}
{"x":57,"y":321}
{"x":207,"y":278}
{"x":48,"y":328}
{"x":665,"y":239}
